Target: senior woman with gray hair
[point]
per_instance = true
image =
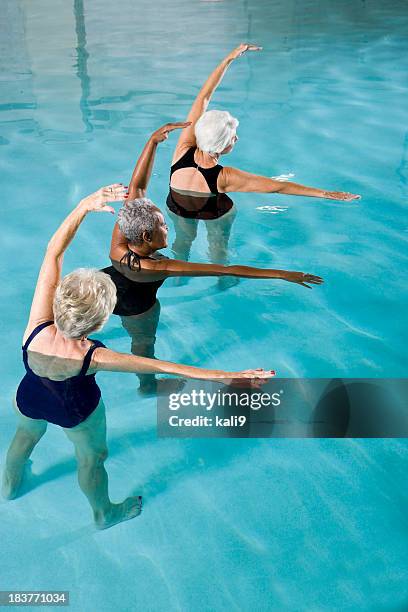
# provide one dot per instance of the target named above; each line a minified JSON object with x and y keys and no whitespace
{"x":138,"y":269}
{"x":61,"y":362}
{"x":199,"y":184}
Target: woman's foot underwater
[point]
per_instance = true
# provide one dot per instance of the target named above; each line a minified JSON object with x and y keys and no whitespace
{"x":128,"y":509}
{"x":13,"y":479}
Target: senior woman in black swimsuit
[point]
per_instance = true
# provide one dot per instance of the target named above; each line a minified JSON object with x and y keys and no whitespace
{"x":61,"y":362}
{"x":138,"y":269}
{"x":199,"y":184}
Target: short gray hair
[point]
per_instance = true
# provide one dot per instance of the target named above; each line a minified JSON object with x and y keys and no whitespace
{"x":136,"y":217}
{"x":83,"y":302}
{"x":215,"y":130}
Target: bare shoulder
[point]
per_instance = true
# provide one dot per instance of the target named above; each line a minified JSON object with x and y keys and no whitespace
{"x":104,"y":359}
{"x":226,"y":178}
{"x":153,"y":268}
{"x":48,"y":331}
{"x":150,"y":268}
{"x":181,"y":149}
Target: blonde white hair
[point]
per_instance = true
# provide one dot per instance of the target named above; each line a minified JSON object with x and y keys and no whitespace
{"x":83,"y":302}
{"x":215,"y":130}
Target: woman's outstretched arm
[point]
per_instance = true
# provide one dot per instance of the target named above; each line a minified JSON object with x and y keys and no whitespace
{"x":200,"y":104}
{"x":144,"y":165}
{"x":107,"y":360}
{"x":50,"y":272}
{"x":165,"y":268}
{"x":234,"y":180}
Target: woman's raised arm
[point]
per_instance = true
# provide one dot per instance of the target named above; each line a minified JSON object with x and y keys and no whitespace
{"x":200,"y":104}
{"x":144,"y":165}
{"x":50,"y":272}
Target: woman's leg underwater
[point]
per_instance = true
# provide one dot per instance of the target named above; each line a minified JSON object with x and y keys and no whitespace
{"x":89,"y":439}
{"x":218,"y":234}
{"x":142,"y":331}
{"x":29,"y":433}
{"x":186,"y":233}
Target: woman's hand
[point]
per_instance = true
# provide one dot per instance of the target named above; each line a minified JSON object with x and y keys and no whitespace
{"x":340,"y":195}
{"x":247,"y":378}
{"x":241,"y":49}
{"x":300,"y":278}
{"x":163,"y":132}
{"x":97,"y":201}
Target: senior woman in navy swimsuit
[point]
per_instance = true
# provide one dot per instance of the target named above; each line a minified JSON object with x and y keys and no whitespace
{"x":61,"y":362}
{"x":199,"y":184}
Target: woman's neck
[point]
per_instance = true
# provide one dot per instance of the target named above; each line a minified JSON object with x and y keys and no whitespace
{"x":204,"y":159}
{"x":143,"y":250}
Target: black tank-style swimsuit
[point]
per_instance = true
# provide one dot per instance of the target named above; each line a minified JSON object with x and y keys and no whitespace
{"x":213,"y":206}
{"x":133,"y":297}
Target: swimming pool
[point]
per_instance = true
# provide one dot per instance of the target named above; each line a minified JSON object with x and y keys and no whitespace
{"x":228,"y":524}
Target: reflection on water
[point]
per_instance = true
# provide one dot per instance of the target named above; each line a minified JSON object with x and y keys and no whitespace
{"x":82,"y":63}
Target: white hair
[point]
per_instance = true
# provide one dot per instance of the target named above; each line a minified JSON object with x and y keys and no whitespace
{"x":83,"y":302}
{"x":215,"y":130}
{"x":136,"y":217}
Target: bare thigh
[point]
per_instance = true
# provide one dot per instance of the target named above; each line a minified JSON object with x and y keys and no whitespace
{"x":142,"y":330}
{"x":89,"y":437}
{"x":32,"y":426}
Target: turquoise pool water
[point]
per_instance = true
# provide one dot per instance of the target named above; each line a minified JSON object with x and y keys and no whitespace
{"x":228,"y":524}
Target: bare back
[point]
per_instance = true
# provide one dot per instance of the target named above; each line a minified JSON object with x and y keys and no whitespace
{"x":51,"y":355}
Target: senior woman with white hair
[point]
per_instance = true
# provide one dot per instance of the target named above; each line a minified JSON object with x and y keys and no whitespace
{"x":61,"y":362}
{"x":199,"y":184}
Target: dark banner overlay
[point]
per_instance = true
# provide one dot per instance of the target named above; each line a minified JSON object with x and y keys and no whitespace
{"x":287,"y":408}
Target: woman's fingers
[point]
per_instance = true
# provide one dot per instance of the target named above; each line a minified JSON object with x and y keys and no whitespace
{"x":342,"y":195}
{"x":253,"y":48}
{"x":311,"y":278}
{"x":303,"y":279}
{"x":177,"y":125}
{"x":248,"y":47}
{"x":115,"y":187}
{"x":352,"y":196}
{"x":251,"y":378}
{"x":163,"y":132}
{"x":97,"y":201}
{"x":259,"y":373}
{"x":170,"y":127}
{"x":107,"y":209}
{"x":114,"y":192}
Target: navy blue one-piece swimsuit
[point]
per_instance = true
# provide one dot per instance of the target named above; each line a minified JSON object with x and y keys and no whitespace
{"x":62,"y":402}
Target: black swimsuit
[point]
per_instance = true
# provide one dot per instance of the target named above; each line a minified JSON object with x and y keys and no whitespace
{"x":133,"y":297}
{"x":213,"y":206}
